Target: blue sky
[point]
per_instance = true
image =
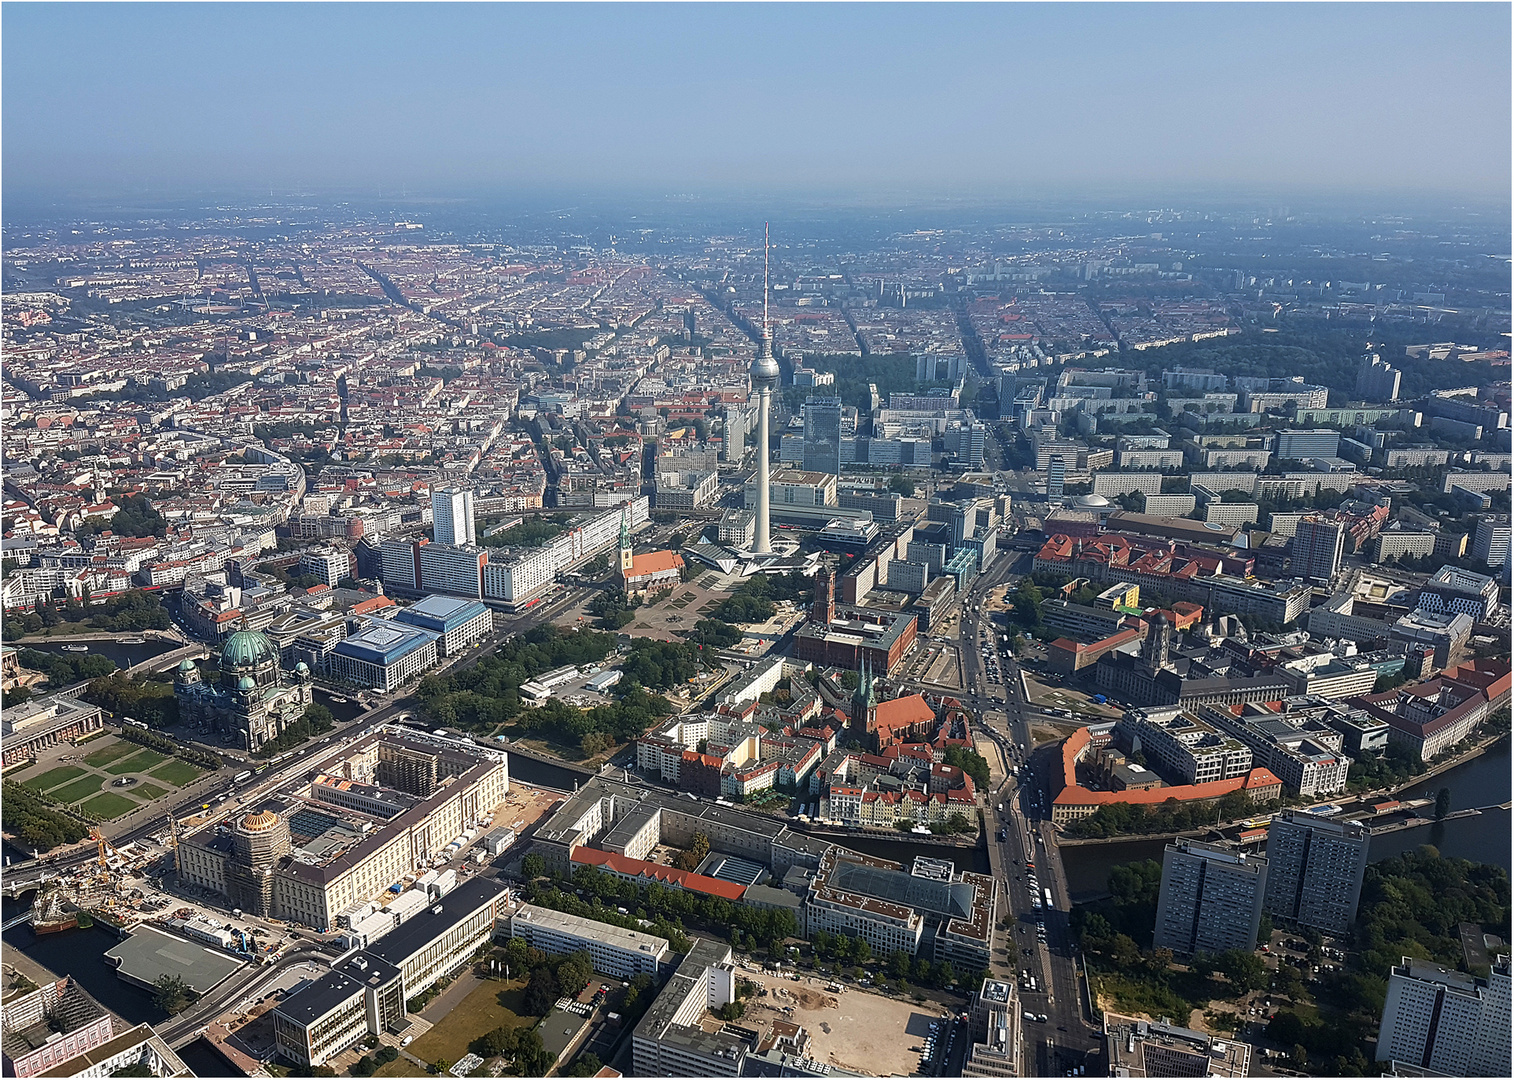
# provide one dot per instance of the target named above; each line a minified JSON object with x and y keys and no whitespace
{"x":121,"y":98}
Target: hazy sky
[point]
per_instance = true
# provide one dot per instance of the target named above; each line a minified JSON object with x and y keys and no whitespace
{"x":124,"y":98}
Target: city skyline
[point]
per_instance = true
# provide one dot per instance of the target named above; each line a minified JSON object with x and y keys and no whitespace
{"x":843,"y":103}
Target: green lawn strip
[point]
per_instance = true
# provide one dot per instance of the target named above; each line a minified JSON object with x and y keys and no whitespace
{"x":108,"y":805}
{"x":147,"y":792}
{"x":140,"y":762}
{"x":81,"y":788}
{"x":178,"y":773}
{"x":486,"y":1008}
{"x":106,"y":754}
{"x":54,"y":777}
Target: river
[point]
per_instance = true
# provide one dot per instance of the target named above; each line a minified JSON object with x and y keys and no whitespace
{"x":79,"y":953}
{"x":123,"y":655}
{"x":1483,"y":781}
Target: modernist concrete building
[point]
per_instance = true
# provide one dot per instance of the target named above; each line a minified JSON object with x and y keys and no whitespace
{"x":1314,"y":869}
{"x":364,"y":993}
{"x":1211,"y":899}
{"x":1445,"y":1021}
{"x":616,"y":951}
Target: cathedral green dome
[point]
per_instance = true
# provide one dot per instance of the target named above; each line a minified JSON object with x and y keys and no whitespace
{"x":246,"y":683}
{"x":247,"y":648}
{"x":186,"y":665}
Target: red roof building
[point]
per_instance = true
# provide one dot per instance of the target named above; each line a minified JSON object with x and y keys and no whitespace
{"x":641,"y":872}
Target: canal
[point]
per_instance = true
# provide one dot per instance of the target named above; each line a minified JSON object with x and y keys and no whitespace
{"x":1483,"y":781}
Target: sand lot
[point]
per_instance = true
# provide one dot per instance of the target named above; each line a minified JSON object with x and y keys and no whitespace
{"x":868,"y":1033}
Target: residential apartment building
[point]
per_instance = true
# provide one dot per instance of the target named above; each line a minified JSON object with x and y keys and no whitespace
{"x":330,"y":565}
{"x":452,"y":516}
{"x":1377,"y":380}
{"x":1211,"y":899}
{"x":1397,"y":543}
{"x":1303,"y":444}
{"x":1445,"y":1021}
{"x":1490,"y":543}
{"x":1318,"y":544}
{"x":1314,"y":869}
{"x":1174,"y":505}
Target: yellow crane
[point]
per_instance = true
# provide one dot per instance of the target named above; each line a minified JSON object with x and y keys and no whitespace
{"x":173,"y":841}
{"x":103,"y":846}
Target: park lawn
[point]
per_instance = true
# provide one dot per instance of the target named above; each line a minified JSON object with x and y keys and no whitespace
{"x":147,"y":792}
{"x":139,"y":762}
{"x":492,"y":1004}
{"x":81,"y":788}
{"x":109,"y":805}
{"x":106,"y":754}
{"x":54,"y":777}
{"x":401,"y":1066}
{"x":178,"y":773}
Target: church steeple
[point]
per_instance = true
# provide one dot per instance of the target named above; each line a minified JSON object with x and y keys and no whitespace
{"x":625,"y":545}
{"x":863,"y":699}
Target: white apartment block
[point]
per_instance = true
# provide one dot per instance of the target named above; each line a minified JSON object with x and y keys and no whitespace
{"x":1173,"y":505}
{"x":1447,"y":1021}
{"x":1490,"y":543}
{"x":1414,"y":457}
{"x":1396,"y":543}
{"x":615,"y":951}
{"x":1151,"y":459}
{"x":330,"y":565}
{"x":1123,"y":483}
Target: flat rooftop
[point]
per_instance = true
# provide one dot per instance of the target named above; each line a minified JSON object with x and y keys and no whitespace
{"x":149,"y":953}
{"x":616,"y":936}
{"x":417,"y":933}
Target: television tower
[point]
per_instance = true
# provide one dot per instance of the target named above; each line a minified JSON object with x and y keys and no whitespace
{"x":764,"y":377}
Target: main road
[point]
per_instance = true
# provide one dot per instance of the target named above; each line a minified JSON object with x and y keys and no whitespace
{"x":1066,"y":1038}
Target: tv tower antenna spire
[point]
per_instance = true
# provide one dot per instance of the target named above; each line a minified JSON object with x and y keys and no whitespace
{"x":767,"y":332}
{"x":764,"y":374}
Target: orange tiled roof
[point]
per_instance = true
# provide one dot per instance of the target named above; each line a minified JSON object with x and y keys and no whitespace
{"x":657,"y":872}
{"x":654,"y":562}
{"x":901,"y":712}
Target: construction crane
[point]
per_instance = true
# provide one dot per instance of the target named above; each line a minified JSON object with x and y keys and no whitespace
{"x":103,"y":846}
{"x":173,"y":841}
